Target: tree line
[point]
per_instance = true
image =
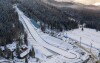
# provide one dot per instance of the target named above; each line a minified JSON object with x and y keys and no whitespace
{"x":10,"y":27}
{"x":11,"y":30}
{"x":50,"y":16}
{"x":57,"y":18}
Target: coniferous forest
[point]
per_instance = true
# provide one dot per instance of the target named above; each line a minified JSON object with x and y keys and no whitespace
{"x":52,"y":17}
{"x":58,"y":18}
{"x":10,"y":27}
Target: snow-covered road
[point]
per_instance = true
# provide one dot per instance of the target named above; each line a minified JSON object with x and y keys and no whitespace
{"x":26,"y":21}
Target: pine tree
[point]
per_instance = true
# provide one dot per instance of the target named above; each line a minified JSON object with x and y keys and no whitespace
{"x":82,"y":29}
{"x":26,"y":60}
{"x":17,"y":51}
{"x":12,"y":56}
{"x":32,"y":53}
{"x":25,"y":39}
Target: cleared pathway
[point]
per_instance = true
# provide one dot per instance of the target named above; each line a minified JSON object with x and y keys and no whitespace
{"x":26,"y":21}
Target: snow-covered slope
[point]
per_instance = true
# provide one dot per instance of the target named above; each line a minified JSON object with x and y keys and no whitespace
{"x":38,"y":39}
{"x":88,"y":36}
{"x":43,"y":42}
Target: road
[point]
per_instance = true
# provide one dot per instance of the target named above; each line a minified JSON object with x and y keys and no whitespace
{"x":88,"y":45}
{"x":26,"y":22}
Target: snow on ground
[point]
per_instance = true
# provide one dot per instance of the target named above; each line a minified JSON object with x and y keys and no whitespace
{"x":2,"y":48}
{"x":16,"y":60}
{"x":61,"y":59}
{"x":65,"y":46}
{"x":32,"y":60}
{"x":12,"y":46}
{"x":40,"y":40}
{"x":88,"y":36}
{"x":41,"y":52}
{"x":57,"y":42}
{"x":2,"y":60}
{"x":90,"y":39}
{"x":43,"y":42}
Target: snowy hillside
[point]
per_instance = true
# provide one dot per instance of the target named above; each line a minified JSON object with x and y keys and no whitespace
{"x":88,"y":39}
{"x":87,"y":36}
{"x":48,"y":48}
{"x":49,"y":31}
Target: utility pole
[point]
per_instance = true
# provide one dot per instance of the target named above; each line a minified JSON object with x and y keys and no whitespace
{"x":66,"y":37}
{"x":91,"y":48}
{"x":99,"y":57}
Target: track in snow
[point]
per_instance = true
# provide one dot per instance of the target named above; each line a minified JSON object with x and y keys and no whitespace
{"x":37,"y":38}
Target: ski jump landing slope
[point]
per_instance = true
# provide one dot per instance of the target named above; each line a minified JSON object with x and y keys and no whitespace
{"x":39,"y":40}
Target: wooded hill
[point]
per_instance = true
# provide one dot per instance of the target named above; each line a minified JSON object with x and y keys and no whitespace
{"x":10,"y":27}
{"x":58,"y":18}
{"x":52,"y":17}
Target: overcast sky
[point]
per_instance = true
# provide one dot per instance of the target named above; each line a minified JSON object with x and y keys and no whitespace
{"x":83,"y":1}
